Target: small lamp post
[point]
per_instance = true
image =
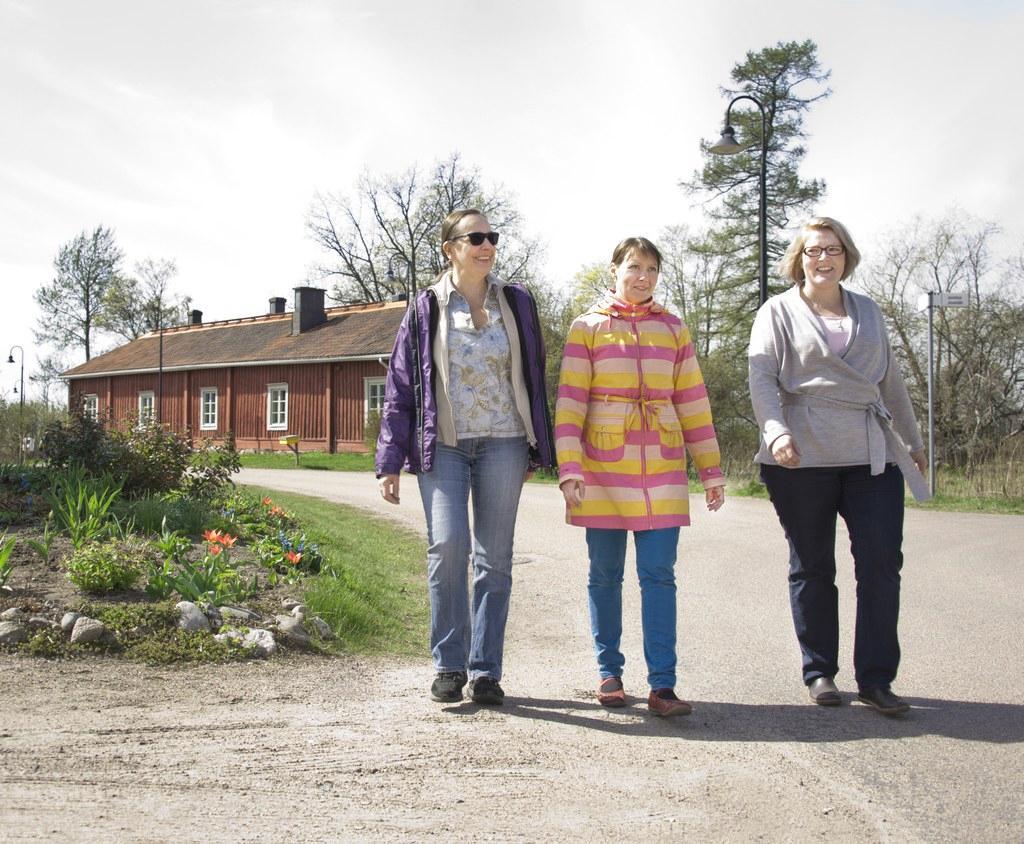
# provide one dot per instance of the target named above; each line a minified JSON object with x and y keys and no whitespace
{"x":728,"y":145}
{"x":21,"y":407}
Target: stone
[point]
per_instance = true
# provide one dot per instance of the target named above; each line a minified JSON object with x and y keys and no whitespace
{"x":238,"y":613}
{"x":38,"y":621}
{"x":12,"y":633}
{"x":291,"y":631}
{"x":193,"y":619}
{"x":213,"y":615}
{"x":87,"y":630}
{"x":321,"y":628}
{"x":67,"y":622}
{"x":299,"y":611}
{"x":290,"y":603}
{"x":12,"y":614}
{"x":261,"y":640}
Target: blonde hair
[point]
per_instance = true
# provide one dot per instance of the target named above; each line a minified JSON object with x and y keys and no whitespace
{"x":791,"y":266}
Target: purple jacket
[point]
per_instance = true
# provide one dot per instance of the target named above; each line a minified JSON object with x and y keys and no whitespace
{"x":408,"y":423}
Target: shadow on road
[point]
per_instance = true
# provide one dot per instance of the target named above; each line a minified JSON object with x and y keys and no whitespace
{"x":995,"y":723}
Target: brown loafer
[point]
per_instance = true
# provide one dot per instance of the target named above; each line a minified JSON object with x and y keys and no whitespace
{"x":664,"y":702}
{"x":884,"y":701}
{"x":823,"y":692}
{"x":611,"y":693}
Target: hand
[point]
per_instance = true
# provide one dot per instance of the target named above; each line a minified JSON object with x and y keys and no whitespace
{"x":785,"y":452}
{"x":714,"y":497}
{"x":389,"y":488}
{"x":920,"y":460}
{"x":572,"y":492}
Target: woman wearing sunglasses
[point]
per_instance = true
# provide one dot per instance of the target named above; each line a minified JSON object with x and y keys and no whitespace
{"x":465,"y":409}
{"x":631,"y":403}
{"x":838,"y":437}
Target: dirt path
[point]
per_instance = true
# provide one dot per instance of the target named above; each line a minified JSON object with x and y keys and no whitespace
{"x":327,"y":750}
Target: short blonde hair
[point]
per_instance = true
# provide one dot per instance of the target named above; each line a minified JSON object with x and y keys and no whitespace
{"x":791,"y":266}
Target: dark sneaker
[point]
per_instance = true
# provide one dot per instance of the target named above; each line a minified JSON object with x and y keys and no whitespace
{"x":447,"y":686}
{"x":884,"y":701}
{"x":664,"y":702}
{"x":486,"y":690}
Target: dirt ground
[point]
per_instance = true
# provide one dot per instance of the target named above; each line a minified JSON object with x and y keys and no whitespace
{"x":307,"y":748}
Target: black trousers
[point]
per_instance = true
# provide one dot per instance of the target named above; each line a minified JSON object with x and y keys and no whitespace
{"x":807,"y":502}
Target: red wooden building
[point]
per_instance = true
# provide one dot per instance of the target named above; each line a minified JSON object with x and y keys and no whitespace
{"x":313,"y":372}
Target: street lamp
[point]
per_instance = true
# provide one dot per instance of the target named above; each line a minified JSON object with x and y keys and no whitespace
{"x":414,"y":333}
{"x":728,"y":145}
{"x":21,"y":408}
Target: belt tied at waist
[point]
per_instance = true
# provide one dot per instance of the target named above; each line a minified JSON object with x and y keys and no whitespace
{"x":647,"y":406}
{"x":880,"y":432}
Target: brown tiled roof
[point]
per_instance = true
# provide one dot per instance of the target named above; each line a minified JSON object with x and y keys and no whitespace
{"x":352,"y":332}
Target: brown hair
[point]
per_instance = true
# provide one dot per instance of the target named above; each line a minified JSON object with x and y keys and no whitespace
{"x":791,"y":266}
{"x":451,"y":222}
{"x":638,"y":244}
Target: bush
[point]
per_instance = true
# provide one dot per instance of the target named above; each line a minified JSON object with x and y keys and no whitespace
{"x":107,"y":567}
{"x":210,"y":469}
{"x":371,"y":430}
{"x":79,"y":441}
{"x":152,"y":460}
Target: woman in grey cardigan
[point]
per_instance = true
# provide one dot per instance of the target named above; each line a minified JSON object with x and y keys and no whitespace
{"x":838,"y":437}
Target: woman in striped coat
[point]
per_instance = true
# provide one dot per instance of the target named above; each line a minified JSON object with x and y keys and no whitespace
{"x":630,"y":400}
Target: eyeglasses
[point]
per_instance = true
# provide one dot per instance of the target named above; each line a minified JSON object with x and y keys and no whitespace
{"x":477,"y":238}
{"x":815,"y":251}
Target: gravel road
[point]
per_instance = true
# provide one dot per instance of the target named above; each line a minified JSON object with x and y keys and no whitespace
{"x":309,"y":749}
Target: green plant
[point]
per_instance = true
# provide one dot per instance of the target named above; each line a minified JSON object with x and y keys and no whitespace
{"x":211,"y":578}
{"x":78,"y":441}
{"x":6,"y":549}
{"x":81,"y":506}
{"x":42,"y":546}
{"x":153,"y":459}
{"x":106,"y":567}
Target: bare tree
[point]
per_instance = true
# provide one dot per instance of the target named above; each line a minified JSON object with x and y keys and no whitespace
{"x":141,"y":302}
{"x":394,"y":220}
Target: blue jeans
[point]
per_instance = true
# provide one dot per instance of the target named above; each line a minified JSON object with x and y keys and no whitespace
{"x":493,"y":469}
{"x":655,"y":565}
{"x":807,"y":502}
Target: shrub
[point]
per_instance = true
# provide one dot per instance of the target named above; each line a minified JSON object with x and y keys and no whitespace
{"x":78,"y":441}
{"x":153,"y":460}
{"x":210,"y":468}
{"x":106,"y":567}
{"x":6,"y":549}
{"x":371,"y":430}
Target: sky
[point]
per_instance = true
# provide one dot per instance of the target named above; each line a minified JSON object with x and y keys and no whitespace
{"x":201,"y":130}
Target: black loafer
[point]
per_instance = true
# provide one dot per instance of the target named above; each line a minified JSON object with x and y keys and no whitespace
{"x":447,"y":686}
{"x":884,"y":701}
{"x":486,"y":690}
{"x":824,"y":692}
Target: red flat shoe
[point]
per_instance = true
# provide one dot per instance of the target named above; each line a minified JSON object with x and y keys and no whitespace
{"x":611,"y":693}
{"x":664,"y":702}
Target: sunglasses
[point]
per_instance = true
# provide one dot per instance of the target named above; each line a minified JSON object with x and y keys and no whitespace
{"x":477,"y":238}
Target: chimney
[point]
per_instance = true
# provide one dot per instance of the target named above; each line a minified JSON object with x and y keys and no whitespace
{"x":276,"y":305}
{"x":309,"y":309}
{"x":195,"y":317}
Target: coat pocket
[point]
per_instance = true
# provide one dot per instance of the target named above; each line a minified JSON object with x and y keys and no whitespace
{"x":670,"y":434}
{"x":604,"y":438}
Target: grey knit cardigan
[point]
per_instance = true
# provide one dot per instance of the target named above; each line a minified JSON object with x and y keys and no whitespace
{"x":846,"y":409}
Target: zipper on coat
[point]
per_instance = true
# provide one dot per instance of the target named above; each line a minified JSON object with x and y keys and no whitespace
{"x":643,"y":426}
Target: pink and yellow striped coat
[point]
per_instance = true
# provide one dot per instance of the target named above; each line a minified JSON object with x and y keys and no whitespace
{"x":630,"y":397}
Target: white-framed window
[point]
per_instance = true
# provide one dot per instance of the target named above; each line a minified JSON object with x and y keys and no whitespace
{"x":373,"y":396}
{"x":208,"y":409}
{"x":91,"y":406}
{"x":277,"y":407}
{"x":145,"y":407}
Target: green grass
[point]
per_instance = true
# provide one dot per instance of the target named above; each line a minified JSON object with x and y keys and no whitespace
{"x":345,"y":462}
{"x":372,"y":589}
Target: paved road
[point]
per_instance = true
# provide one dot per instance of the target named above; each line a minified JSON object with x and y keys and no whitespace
{"x":756,"y":758}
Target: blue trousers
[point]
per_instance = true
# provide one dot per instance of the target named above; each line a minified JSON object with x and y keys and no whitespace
{"x":655,"y":564}
{"x":491,"y":470}
{"x":807,"y":502}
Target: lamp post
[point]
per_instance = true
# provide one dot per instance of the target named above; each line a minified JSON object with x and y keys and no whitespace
{"x":414,"y":334}
{"x":728,"y":145}
{"x":21,"y":407}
